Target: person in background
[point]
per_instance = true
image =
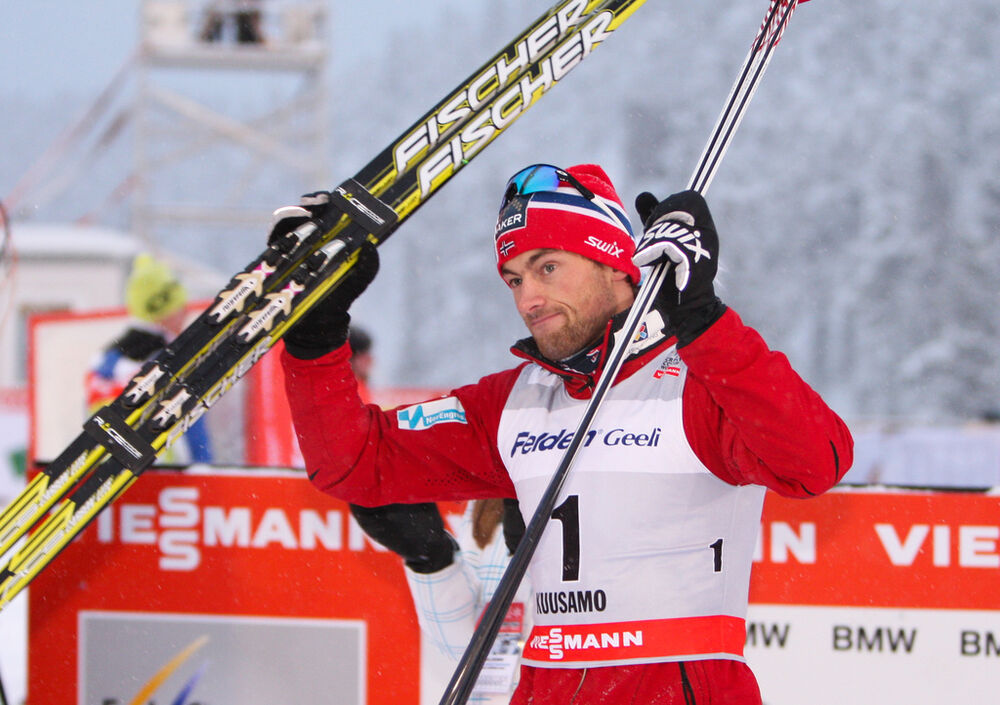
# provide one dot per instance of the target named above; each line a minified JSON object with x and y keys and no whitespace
{"x":362,"y":360}
{"x":244,"y":14}
{"x":451,"y":577}
{"x":155,"y":300}
{"x":640,"y":587}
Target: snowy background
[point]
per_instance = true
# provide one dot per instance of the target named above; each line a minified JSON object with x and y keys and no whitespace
{"x":859,"y":206}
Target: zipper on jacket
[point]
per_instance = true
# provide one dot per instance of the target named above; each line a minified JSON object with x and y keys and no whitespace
{"x":686,"y":683}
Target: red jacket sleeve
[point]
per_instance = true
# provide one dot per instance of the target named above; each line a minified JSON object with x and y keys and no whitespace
{"x":751,"y":419}
{"x":365,"y":455}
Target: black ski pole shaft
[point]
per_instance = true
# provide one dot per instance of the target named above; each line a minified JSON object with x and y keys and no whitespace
{"x":742,"y":92}
{"x":475,"y":654}
{"x":3,"y":693}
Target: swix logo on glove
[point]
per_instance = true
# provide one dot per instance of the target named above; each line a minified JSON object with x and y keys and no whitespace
{"x":673,"y":238}
{"x":678,"y":232}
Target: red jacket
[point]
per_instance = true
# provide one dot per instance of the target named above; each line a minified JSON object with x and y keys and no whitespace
{"x":748,"y":415}
{"x":749,"y":418}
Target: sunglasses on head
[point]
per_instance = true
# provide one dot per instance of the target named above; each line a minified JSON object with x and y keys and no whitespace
{"x":545,"y":177}
{"x":541,"y":177}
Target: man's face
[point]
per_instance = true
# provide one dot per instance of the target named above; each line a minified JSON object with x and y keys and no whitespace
{"x":564,"y":298}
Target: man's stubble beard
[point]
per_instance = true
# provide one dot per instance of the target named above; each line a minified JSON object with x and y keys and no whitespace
{"x":577,"y":333}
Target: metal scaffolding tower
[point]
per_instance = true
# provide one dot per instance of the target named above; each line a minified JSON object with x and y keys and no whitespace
{"x":231,"y":112}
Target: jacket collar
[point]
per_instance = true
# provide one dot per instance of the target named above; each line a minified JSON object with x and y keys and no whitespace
{"x":581,"y":371}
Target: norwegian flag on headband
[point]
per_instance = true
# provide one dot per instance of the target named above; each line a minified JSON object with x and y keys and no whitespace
{"x":773,"y":26}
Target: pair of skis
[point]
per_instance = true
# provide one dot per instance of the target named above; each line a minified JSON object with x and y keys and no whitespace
{"x":767,"y":38}
{"x":273,"y":291}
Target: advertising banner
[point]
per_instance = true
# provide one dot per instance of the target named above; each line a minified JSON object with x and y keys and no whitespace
{"x":235,"y":587}
{"x":877,"y":596}
{"x":229,"y":587}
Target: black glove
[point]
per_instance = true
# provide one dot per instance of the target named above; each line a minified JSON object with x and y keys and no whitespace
{"x":513,"y":524}
{"x":324,"y":328}
{"x":285,"y":219}
{"x":679,"y":231}
{"x":413,"y":531}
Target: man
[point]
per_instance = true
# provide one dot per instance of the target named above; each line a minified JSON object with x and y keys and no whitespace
{"x":362,"y":360}
{"x":640,"y":582}
{"x":451,"y":579}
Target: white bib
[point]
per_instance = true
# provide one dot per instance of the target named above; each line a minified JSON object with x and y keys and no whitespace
{"x":647,"y":555}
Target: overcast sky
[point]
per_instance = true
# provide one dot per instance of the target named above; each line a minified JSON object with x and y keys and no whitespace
{"x":51,"y":47}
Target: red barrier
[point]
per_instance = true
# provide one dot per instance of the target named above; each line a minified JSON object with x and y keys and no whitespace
{"x":221,"y":582}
